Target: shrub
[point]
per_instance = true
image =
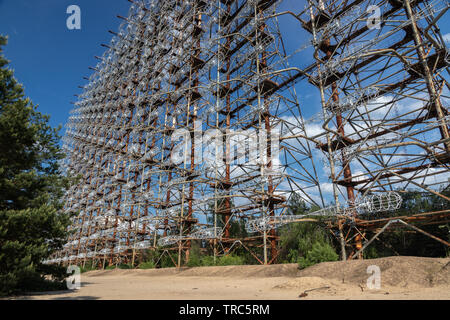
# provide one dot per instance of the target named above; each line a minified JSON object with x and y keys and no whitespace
{"x":370,"y":253}
{"x":320,"y":252}
{"x":86,"y":269}
{"x":166,"y":261}
{"x":298,"y":238}
{"x":195,"y":255}
{"x":230,"y":260}
{"x":207,"y":261}
{"x":194,"y":262}
{"x":147,"y":265}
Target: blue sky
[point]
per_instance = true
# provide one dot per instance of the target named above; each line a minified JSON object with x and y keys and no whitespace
{"x":51,"y":61}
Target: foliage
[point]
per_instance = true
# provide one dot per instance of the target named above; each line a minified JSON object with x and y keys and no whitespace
{"x":370,"y":253}
{"x":208,"y":261}
{"x":199,"y":257}
{"x":167,"y":260}
{"x":88,"y":267}
{"x":408,"y":243}
{"x":147,"y":265}
{"x":446,"y":227}
{"x":320,"y":252}
{"x":297,"y":239}
{"x":308,"y":243}
{"x":158,"y":258}
{"x":31,"y":188}
{"x":195,"y":255}
{"x":150,"y":255}
{"x":230,"y":260}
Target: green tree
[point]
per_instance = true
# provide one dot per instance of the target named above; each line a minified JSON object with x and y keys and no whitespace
{"x":31,"y":186}
{"x":320,"y":252}
{"x":304,"y":240}
{"x":195,"y":254}
{"x":403,"y":241}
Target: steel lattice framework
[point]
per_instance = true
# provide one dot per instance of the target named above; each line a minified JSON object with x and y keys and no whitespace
{"x":210,"y":83}
{"x":384,"y":95}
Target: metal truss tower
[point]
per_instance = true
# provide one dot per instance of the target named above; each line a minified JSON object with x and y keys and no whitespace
{"x":191,"y":121}
{"x":380,"y":68}
{"x":204,"y":82}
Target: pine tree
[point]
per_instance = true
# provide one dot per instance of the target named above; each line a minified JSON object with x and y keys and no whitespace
{"x":31,"y":188}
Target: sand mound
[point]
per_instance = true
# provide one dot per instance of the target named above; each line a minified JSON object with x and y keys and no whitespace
{"x":402,"y":272}
{"x":395,"y":271}
{"x":247,"y":271}
{"x":401,"y":278}
{"x":253,"y":271}
{"x":305,"y":283}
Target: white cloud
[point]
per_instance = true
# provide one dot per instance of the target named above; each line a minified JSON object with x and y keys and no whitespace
{"x":446,"y":37}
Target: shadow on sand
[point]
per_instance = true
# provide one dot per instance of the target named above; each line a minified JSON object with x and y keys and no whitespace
{"x":42,"y":295}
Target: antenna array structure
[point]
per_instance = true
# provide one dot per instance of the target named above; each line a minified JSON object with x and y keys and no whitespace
{"x":380,"y":68}
{"x":191,"y":121}
{"x":206,"y":83}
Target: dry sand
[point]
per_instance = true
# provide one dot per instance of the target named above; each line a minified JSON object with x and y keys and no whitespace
{"x":401,"y":278}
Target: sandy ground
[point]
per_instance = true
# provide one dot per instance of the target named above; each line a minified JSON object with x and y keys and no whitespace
{"x":401,"y":278}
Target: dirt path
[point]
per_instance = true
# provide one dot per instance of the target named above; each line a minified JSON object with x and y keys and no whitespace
{"x":401,"y":278}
